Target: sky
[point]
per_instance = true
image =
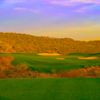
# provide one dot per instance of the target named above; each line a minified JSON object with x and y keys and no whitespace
{"x":77,"y":19}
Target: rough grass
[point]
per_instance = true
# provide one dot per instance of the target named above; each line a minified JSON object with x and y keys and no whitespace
{"x":46,"y":63}
{"x":50,"y":89}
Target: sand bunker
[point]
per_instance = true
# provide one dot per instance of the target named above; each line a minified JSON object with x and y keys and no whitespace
{"x":88,"y":58}
{"x":60,"y":58}
{"x":49,"y":54}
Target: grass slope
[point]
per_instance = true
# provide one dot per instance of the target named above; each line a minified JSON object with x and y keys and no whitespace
{"x":46,"y":63}
{"x":50,"y":89}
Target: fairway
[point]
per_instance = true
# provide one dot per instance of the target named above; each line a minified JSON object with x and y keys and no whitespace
{"x":50,"y":89}
{"x":60,"y":62}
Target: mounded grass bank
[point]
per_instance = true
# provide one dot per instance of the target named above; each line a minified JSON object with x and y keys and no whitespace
{"x":50,"y":89}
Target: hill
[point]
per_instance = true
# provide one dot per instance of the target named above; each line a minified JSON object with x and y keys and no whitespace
{"x":25,"y":43}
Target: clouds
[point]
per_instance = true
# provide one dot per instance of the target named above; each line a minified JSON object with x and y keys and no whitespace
{"x":20,"y":9}
{"x":18,"y":5}
{"x":79,"y":6}
{"x":63,"y":3}
{"x":74,"y":2}
{"x":27,"y":9}
{"x":85,"y":1}
{"x":53,"y":2}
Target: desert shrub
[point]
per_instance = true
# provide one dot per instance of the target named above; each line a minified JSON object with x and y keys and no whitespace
{"x":86,"y":67}
{"x":79,"y":73}
{"x":10,"y":57}
{"x":5,"y":60}
{"x":73,"y":73}
{"x":62,"y":74}
{"x":91,"y":72}
{"x":18,"y":68}
{"x":24,"y":67}
{"x":10,"y":75}
{"x":2,"y":74}
{"x":24,"y":76}
{"x":7,"y":71}
{"x":46,"y":75}
{"x":21,"y":68}
{"x":1,"y":59}
{"x":98,"y":74}
{"x":69,"y":74}
{"x":2,"y":68}
{"x":53,"y":70}
{"x":29,"y":74}
{"x":34,"y":74}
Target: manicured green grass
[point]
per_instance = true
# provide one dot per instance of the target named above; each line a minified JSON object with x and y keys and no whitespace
{"x":50,"y":89}
{"x":46,"y":63}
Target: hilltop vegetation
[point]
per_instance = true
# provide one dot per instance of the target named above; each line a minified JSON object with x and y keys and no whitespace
{"x":25,"y":43}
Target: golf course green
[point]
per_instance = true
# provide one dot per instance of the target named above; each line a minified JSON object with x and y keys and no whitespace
{"x":46,"y":63}
{"x":50,"y":89}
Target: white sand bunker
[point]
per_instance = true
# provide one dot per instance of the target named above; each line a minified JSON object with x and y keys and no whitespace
{"x":88,"y":58}
{"x":60,"y":58}
{"x":49,"y":54}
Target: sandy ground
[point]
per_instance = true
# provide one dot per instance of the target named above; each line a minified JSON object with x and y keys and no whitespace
{"x":88,"y":58}
{"x":49,"y":54}
{"x":60,"y":58}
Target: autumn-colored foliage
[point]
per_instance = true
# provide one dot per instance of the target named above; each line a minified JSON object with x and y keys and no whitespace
{"x":62,"y":74}
{"x":93,"y":71}
{"x":7,"y":70}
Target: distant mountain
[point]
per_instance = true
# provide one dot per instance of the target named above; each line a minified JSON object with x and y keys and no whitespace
{"x":25,"y":43}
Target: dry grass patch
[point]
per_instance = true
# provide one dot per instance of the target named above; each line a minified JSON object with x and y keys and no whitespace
{"x":49,"y":54}
{"x":88,"y":58}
